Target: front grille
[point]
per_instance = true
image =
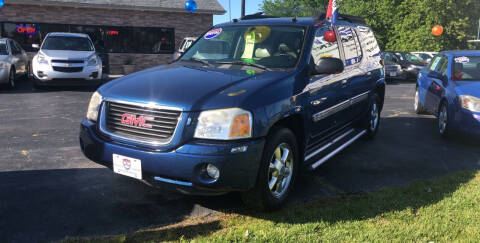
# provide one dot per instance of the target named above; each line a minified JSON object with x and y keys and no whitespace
{"x":68,"y":61}
{"x":68,"y":69}
{"x":163,"y":124}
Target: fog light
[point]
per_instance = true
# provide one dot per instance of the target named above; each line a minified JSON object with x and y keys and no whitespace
{"x":213,"y":171}
{"x":41,"y":74}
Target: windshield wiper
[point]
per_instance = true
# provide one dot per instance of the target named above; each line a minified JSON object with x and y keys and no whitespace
{"x":194,"y":59}
{"x":246,"y":64}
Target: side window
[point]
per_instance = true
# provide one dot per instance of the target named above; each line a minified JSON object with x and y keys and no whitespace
{"x":14,"y":48}
{"x":353,"y":53}
{"x":18,"y":47}
{"x":435,"y":62}
{"x":442,"y":67}
{"x":322,"y":48}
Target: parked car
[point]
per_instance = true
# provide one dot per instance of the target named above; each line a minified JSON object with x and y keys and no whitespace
{"x":411,"y":64}
{"x":186,"y":43}
{"x":450,"y":89}
{"x":393,"y":70}
{"x":427,"y":56}
{"x":66,"y":58}
{"x":13,"y":62}
{"x":247,"y":106}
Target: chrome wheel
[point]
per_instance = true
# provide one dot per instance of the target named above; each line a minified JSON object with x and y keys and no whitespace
{"x":443,"y":119}
{"x":280,"y":170}
{"x":374,"y":117}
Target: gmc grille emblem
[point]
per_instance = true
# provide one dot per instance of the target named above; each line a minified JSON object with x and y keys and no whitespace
{"x":136,"y":121}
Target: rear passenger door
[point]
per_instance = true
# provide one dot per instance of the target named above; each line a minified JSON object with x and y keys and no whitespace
{"x":360,"y":80}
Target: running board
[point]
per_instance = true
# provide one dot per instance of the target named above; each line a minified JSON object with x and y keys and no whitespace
{"x":329,"y":144}
{"x":336,"y":151}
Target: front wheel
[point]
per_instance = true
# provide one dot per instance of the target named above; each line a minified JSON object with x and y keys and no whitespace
{"x":443,"y":120}
{"x":11,"y":78}
{"x":277,"y":172}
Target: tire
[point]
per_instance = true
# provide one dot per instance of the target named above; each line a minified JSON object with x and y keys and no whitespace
{"x":11,"y":78}
{"x":444,"y":120}
{"x":277,"y":172}
{"x":417,"y":106}
{"x":372,"y":121}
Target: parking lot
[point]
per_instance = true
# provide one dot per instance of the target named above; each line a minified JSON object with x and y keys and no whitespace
{"x":51,"y":191}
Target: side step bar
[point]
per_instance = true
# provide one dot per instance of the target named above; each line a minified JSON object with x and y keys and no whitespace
{"x":336,"y":151}
{"x":329,"y":144}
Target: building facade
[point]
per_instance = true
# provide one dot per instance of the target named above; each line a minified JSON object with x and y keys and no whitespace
{"x":142,"y":32}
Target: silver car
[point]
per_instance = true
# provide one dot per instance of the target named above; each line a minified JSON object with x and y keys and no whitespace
{"x":13,"y":62}
{"x":66,"y":58}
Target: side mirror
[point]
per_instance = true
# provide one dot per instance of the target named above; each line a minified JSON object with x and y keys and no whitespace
{"x":328,"y":65}
{"x":35,"y":46}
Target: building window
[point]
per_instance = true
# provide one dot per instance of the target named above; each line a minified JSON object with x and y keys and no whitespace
{"x":107,"y":39}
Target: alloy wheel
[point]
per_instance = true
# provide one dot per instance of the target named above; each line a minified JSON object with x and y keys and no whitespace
{"x":280,"y":170}
{"x":11,"y":79}
{"x":443,"y":119}
{"x":374,"y":117}
{"x":415,"y":105}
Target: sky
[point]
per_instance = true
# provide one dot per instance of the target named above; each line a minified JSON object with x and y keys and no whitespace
{"x":251,"y":7}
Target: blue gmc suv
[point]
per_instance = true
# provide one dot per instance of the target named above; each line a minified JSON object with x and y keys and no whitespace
{"x":250,"y":105}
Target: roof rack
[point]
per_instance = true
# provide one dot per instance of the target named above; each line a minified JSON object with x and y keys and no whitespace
{"x":258,"y":15}
{"x":345,"y":17}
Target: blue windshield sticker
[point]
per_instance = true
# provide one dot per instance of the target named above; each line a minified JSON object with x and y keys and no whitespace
{"x":213,"y":33}
{"x":462,"y":60}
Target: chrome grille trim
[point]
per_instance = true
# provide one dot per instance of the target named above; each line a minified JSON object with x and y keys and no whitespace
{"x":162,"y":133}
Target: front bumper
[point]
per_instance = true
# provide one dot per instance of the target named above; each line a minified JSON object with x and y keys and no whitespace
{"x":44,"y":74}
{"x":182,"y":167}
{"x":467,"y":122}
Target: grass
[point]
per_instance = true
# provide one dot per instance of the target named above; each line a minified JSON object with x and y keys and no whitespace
{"x":439,"y":210}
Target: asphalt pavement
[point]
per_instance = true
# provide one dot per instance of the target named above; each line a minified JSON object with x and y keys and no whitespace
{"x":49,"y":190}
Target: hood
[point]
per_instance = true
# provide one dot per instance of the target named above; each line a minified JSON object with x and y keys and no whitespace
{"x":468,"y":88}
{"x":188,"y":87}
{"x":63,"y":55}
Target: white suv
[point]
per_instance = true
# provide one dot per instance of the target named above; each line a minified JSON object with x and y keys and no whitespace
{"x":66,"y":57}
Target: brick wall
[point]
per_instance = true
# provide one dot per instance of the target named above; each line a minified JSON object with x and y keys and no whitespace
{"x":185,"y":24}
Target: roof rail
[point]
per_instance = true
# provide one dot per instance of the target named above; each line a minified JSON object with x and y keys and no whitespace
{"x":258,"y":15}
{"x":345,"y":17}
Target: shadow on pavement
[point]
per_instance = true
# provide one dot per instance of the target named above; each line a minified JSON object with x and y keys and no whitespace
{"x":26,"y":86}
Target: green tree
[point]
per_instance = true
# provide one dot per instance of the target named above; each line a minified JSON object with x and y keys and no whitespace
{"x":400,"y":25}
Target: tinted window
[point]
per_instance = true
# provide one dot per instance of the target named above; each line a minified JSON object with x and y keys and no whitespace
{"x":105,"y":38}
{"x":67,"y":43}
{"x":434,"y":63}
{"x":322,"y":48}
{"x":3,"y":49}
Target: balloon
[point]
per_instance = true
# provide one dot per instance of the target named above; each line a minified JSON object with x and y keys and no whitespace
{"x":191,"y":6}
{"x":329,"y":36}
{"x":2,"y":2}
{"x":437,"y":30}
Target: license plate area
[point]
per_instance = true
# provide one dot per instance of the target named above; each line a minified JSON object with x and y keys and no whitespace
{"x":127,"y":166}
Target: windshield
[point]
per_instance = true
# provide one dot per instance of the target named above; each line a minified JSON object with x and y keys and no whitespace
{"x":67,"y":43}
{"x":3,"y":49}
{"x":411,"y":58}
{"x":268,"y":46}
{"x":466,"y":68}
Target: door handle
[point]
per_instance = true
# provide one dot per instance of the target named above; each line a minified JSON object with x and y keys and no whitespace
{"x":344,"y":83}
{"x":319,"y":101}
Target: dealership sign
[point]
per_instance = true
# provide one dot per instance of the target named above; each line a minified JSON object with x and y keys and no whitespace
{"x":26,"y":30}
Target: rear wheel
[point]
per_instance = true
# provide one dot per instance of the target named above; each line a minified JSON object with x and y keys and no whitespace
{"x":277,"y":172}
{"x":372,"y":122}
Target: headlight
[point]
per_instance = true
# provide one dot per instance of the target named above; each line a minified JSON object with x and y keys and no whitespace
{"x":224,"y":124}
{"x":470,"y":103}
{"x":94,"y":106}
{"x":92,"y":61}
{"x":41,"y":59}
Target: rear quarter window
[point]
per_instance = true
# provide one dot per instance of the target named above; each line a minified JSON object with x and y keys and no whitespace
{"x":368,"y":41}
